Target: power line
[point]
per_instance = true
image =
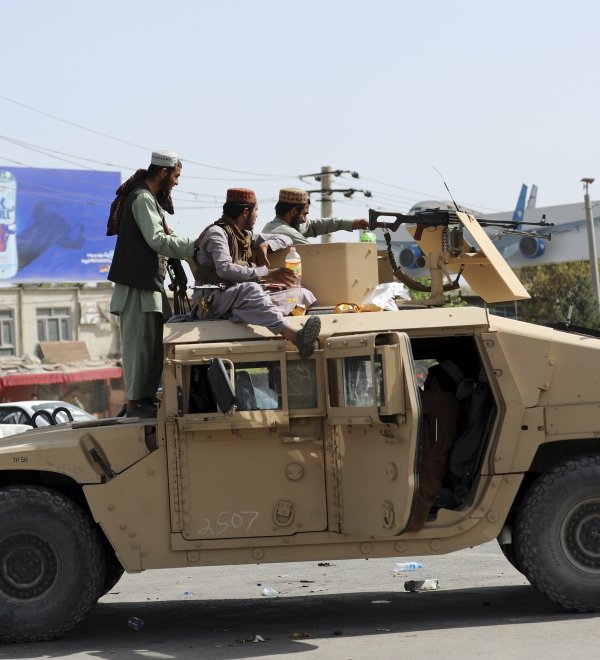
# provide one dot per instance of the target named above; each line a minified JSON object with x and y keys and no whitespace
{"x":43,"y":150}
{"x":130,"y":144}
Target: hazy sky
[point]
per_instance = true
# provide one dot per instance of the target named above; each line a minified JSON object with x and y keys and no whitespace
{"x":493,"y":94}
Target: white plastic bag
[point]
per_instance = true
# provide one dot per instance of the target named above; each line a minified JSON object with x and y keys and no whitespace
{"x":383,"y":295}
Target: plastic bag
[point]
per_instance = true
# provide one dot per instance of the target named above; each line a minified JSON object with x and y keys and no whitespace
{"x":383,"y":296}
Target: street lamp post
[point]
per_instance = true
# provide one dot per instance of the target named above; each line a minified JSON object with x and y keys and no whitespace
{"x":591,"y":239}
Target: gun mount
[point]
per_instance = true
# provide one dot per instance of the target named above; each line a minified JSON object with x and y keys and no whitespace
{"x":441,"y":236}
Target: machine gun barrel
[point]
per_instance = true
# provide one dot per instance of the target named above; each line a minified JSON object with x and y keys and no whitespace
{"x":512,"y":223}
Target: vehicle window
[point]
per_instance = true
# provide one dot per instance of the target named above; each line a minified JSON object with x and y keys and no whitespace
{"x":47,"y":406}
{"x":257,"y":387}
{"x":302,"y":384}
{"x":359,"y":389}
{"x":13,"y":416}
{"x":201,"y":397}
{"x":421,"y":367}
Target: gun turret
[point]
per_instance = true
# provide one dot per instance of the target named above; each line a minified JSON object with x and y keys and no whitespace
{"x":440,"y":235}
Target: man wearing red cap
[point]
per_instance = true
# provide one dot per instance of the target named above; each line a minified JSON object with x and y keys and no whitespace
{"x":226,"y":255}
{"x":138,"y":268}
{"x":291,"y":213}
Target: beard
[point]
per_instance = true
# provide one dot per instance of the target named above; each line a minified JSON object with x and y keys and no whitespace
{"x":165,"y":187}
{"x":163,"y":195}
{"x":296,"y":222}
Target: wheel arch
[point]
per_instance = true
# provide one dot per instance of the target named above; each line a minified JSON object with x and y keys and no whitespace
{"x":60,"y":483}
{"x":546,"y":457}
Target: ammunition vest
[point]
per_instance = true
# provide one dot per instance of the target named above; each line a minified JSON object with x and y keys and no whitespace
{"x":240,"y":249}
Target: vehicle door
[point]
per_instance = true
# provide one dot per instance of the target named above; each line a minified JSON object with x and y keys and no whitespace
{"x":373,"y":410}
{"x":257,"y":471}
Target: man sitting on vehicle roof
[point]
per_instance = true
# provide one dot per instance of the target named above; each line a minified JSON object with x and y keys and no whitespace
{"x":225,"y":257}
{"x":290,"y":218}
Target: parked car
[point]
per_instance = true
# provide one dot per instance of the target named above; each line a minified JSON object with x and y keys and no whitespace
{"x":53,"y":412}
{"x":13,"y":429}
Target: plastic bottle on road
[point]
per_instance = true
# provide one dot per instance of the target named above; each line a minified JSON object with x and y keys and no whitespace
{"x":269,"y":592}
{"x":422,"y":585}
{"x":135,"y":624}
{"x":404,"y":567}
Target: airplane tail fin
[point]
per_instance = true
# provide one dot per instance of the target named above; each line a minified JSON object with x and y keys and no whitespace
{"x":520,"y":207}
{"x":532,"y":197}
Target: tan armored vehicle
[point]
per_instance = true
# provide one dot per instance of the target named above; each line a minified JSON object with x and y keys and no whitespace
{"x":258,"y":456}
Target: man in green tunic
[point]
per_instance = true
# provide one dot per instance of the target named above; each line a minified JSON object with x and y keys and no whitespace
{"x":138,"y":268}
{"x":290,"y":218}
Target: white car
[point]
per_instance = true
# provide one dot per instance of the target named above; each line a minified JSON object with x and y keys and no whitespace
{"x":13,"y":429}
{"x":53,"y":412}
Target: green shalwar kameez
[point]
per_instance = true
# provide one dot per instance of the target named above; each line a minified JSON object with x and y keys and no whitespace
{"x":142,"y":312}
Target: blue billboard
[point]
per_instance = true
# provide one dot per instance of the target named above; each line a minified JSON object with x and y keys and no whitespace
{"x":53,"y":224}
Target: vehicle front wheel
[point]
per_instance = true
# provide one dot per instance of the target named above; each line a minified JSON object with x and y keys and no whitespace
{"x":557,"y":534}
{"x":52,"y":564}
{"x":114,"y":572}
{"x":508,"y":550}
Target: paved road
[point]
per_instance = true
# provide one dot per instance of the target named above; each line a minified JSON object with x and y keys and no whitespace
{"x":350,"y":609}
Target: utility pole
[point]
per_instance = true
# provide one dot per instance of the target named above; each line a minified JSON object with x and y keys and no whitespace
{"x":326,"y":177}
{"x":591,"y":239}
{"x":326,"y":201}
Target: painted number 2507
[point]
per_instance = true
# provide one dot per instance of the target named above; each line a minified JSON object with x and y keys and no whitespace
{"x":241,"y":521}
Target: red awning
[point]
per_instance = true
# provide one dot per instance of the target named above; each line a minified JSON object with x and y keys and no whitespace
{"x":47,"y":377}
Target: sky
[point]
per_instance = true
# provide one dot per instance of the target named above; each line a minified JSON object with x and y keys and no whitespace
{"x":256,"y":94}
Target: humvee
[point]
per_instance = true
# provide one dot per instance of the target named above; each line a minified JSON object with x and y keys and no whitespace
{"x":259,"y":456}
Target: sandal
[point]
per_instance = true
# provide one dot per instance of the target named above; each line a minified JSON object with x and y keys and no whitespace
{"x":307,"y":335}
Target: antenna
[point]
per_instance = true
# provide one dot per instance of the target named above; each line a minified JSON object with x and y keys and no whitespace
{"x":456,"y":206}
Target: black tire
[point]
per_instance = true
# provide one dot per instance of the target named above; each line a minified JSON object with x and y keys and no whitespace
{"x":52,"y":564}
{"x":557,"y":534}
{"x":45,"y":414}
{"x":114,"y":572}
{"x":63,"y":410}
{"x":508,"y":550}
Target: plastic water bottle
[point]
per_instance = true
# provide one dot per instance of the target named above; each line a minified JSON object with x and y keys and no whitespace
{"x":293,"y":262}
{"x":269,"y":592}
{"x":404,"y":567}
{"x":135,"y":624}
{"x":9,"y":263}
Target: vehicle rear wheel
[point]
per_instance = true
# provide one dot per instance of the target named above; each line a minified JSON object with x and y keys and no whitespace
{"x":52,"y":564}
{"x":557,"y":534}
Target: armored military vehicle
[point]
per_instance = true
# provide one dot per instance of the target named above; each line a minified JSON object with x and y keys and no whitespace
{"x":259,"y":456}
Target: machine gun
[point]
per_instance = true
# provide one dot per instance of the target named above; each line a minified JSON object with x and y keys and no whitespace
{"x":440,"y":234}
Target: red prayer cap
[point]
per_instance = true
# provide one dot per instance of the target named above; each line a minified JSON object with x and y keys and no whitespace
{"x":241,"y":196}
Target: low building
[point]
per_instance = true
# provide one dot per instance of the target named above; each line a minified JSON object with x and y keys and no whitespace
{"x":58,"y":342}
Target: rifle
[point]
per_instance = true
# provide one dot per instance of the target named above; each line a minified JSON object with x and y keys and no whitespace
{"x":179,"y":286}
